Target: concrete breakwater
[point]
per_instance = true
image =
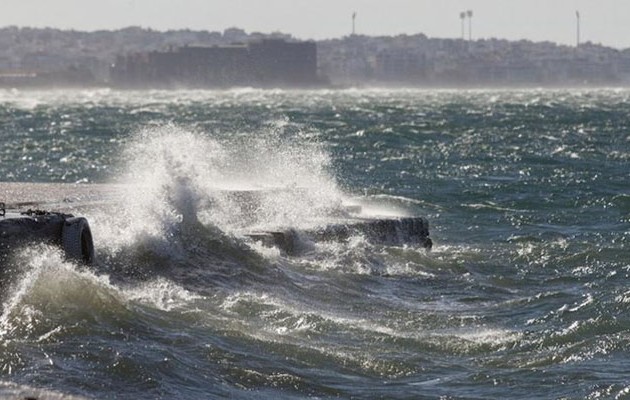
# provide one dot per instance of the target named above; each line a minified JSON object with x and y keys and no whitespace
{"x":57,"y":195}
{"x":77,"y":198}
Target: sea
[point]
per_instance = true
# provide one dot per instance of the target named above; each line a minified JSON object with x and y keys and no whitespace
{"x":524,"y":295}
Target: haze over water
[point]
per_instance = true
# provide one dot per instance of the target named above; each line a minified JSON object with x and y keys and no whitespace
{"x":525,"y":294}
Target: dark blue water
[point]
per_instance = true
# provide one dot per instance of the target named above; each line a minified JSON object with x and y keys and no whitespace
{"x":525,"y":294}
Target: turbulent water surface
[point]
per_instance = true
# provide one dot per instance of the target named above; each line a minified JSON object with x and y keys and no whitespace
{"x":524,"y":295}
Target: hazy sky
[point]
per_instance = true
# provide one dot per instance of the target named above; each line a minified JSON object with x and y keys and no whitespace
{"x":603,"y":21}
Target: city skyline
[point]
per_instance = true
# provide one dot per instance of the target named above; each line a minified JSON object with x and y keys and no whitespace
{"x":536,"y":20}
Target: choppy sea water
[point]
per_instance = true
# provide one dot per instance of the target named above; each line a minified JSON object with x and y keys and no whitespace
{"x":524,"y":295}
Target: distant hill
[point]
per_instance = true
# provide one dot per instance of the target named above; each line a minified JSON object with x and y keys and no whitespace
{"x":51,"y":51}
{"x":62,"y":57}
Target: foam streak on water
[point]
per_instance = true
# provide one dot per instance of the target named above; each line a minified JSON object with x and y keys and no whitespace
{"x":523,"y":296}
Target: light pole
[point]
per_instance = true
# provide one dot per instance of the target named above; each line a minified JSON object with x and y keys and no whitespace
{"x":469,"y":14}
{"x":462,"y":16}
{"x":577,"y":15}
{"x":354,"y":16}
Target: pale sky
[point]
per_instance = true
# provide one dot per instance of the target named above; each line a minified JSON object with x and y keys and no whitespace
{"x":602,"y":21}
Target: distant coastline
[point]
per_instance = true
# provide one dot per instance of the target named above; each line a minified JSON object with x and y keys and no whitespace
{"x":40,"y":58}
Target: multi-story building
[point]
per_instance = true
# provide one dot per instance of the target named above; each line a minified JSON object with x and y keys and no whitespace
{"x":264,"y":63}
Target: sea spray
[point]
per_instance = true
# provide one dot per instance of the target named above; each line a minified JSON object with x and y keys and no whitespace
{"x":177,"y":176}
